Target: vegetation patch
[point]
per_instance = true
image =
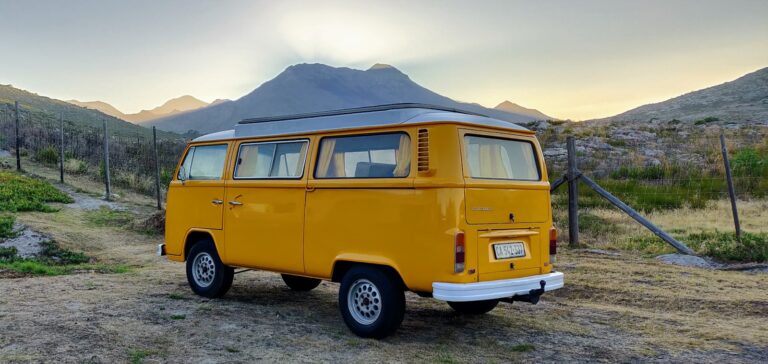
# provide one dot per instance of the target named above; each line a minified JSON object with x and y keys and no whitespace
{"x":6,"y":226}
{"x":523,"y":348}
{"x":105,"y":216}
{"x":21,"y":193}
{"x":54,"y":260}
{"x":723,"y":246}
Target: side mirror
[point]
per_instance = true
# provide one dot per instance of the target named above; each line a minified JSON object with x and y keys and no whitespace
{"x":182,"y":174}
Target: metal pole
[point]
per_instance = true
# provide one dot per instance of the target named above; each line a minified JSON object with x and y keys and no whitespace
{"x":573,"y":194}
{"x":635,"y":215}
{"x":18,"y":140}
{"x":106,"y":159}
{"x":157,"y":168}
{"x":731,"y":190}
{"x":61,"y":148}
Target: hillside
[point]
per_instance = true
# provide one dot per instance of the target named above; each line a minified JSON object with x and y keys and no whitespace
{"x":47,"y":109}
{"x":742,"y":100}
{"x":316,"y":87}
{"x":170,"y":107}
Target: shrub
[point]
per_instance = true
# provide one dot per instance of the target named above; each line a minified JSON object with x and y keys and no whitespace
{"x":707,"y":120}
{"x":75,"y":166}
{"x":48,"y":155}
{"x":8,"y":253}
{"x":724,"y":246}
{"x":6,"y":226}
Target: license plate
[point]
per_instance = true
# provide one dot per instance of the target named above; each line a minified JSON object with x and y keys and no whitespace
{"x":509,"y":250}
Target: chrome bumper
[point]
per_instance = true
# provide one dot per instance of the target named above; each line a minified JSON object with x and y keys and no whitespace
{"x":463,"y":292}
{"x":160,"y":250}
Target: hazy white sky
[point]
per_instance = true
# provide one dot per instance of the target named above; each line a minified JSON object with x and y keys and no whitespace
{"x":569,"y":59}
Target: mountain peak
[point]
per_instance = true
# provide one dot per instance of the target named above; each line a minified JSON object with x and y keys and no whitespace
{"x":509,"y":106}
{"x":381,"y":66}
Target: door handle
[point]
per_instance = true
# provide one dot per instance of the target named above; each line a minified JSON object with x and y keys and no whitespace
{"x":217,"y":202}
{"x":235,"y":203}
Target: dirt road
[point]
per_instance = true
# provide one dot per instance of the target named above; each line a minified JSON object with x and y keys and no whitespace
{"x":614,"y":308}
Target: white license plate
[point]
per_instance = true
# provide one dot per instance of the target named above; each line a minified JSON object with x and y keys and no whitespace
{"x":509,"y":250}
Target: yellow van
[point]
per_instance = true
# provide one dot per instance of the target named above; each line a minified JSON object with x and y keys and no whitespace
{"x":441,"y":202}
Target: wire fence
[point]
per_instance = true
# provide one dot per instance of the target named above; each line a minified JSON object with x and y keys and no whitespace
{"x":131,"y":156}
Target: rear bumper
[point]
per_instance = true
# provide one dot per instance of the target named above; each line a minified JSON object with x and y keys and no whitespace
{"x":160,"y":250}
{"x":463,"y":292}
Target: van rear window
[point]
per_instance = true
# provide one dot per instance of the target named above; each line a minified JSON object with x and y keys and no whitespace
{"x":497,"y":158}
{"x":364,"y":156}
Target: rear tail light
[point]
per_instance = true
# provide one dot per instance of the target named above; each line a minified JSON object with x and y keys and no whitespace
{"x":459,"y":247}
{"x":552,"y":244}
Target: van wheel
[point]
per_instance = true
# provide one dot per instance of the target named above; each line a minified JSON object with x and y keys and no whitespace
{"x":474,"y":307}
{"x":207,"y":275}
{"x":297,"y":283}
{"x":371,"y":301}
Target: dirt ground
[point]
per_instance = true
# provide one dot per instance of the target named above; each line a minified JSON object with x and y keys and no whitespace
{"x":614,"y":308}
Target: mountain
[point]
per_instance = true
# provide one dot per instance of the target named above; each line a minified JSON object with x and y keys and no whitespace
{"x":316,"y":87}
{"x":512,"y":107}
{"x":45,"y":109}
{"x":742,"y":100}
{"x":101,"y":106}
{"x":170,"y":107}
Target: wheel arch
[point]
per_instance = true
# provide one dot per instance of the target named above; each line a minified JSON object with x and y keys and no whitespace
{"x":343,"y":264}
{"x":195,"y":235}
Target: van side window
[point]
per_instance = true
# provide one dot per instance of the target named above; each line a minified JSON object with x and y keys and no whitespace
{"x":364,"y":156}
{"x":205,"y":162}
{"x":271,"y":160}
{"x":496,"y":158}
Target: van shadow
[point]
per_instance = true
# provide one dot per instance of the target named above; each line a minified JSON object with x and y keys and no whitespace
{"x":426,"y":320}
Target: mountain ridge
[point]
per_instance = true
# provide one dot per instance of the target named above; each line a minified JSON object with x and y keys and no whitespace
{"x":741,"y":100}
{"x":315,"y":87}
{"x":171,"y":107}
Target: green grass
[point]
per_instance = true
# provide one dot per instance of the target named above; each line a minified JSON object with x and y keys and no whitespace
{"x":178,"y":317}
{"x":54,"y":260}
{"x":105,"y":216}
{"x":22,"y":193}
{"x":720,"y":245}
{"x":522,"y":348}
{"x":138,"y":356}
{"x":6,"y":226}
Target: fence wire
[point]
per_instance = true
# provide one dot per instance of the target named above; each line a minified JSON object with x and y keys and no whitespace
{"x":131,"y":156}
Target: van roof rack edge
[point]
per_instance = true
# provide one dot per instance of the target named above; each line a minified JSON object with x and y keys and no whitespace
{"x":356,"y":110}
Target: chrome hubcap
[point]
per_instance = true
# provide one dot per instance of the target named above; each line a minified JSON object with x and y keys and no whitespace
{"x":364,"y":301}
{"x":203,"y":269}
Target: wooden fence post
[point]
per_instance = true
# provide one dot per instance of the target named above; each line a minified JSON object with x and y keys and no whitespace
{"x":731,"y":190}
{"x":106,"y":159}
{"x":157,"y":167}
{"x":18,"y":139}
{"x":573,"y":194}
{"x":61,"y":148}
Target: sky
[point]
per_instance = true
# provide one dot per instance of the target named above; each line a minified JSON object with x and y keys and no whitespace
{"x":570,"y":59}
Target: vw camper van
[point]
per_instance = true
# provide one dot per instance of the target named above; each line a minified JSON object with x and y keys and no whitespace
{"x":407,"y":197}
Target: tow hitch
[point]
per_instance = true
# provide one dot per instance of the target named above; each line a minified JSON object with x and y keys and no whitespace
{"x":532,"y":297}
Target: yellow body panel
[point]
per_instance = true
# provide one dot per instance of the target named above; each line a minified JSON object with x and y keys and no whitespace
{"x":305,"y":226}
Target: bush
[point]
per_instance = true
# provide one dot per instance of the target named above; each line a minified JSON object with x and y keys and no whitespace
{"x":6,"y":226}
{"x":21,"y":193}
{"x":48,"y":155}
{"x":707,"y":120}
{"x":8,"y":253}
{"x":724,"y":246}
{"x":75,"y":166}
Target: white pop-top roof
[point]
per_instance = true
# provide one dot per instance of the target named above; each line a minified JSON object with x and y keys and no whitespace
{"x":384,"y":115}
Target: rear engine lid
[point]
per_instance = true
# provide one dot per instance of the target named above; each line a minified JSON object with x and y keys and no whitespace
{"x":506,"y":205}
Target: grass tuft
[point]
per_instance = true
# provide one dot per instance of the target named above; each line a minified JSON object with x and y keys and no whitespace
{"x":6,"y":226}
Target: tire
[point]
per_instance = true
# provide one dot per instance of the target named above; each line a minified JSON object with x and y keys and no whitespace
{"x":302,"y":284}
{"x":372,"y":301}
{"x":206,"y":274}
{"x":474,"y":307}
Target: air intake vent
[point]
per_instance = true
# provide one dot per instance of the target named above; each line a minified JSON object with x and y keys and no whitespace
{"x":423,"y":150}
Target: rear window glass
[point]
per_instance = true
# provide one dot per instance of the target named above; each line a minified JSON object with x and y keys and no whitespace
{"x":497,"y":158}
{"x":204,"y":162}
{"x":365,"y":156}
{"x":271,"y":160}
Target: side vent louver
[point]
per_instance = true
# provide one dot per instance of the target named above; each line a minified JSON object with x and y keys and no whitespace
{"x":423,"y":150}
